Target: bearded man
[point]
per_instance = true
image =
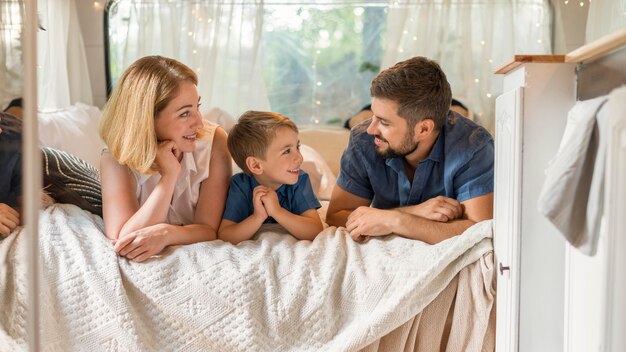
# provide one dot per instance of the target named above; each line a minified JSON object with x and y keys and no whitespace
{"x":416,"y":168}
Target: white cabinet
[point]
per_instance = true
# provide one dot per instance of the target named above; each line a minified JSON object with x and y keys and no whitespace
{"x":506,"y":215}
{"x":530,"y":118}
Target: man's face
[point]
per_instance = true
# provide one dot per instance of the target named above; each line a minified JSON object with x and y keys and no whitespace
{"x":394,"y":138}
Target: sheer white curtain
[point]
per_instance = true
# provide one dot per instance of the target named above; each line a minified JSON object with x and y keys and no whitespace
{"x":220,"y":40}
{"x":469,"y":39}
{"x":605,"y":17}
{"x":11,"y":15}
{"x":63,"y":76}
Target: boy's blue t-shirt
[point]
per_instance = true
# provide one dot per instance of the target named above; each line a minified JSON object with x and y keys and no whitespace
{"x":296,"y":198}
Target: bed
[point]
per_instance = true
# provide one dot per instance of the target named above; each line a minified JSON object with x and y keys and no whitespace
{"x":271,"y":294}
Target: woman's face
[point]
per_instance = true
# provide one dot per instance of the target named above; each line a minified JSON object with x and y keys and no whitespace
{"x":181,"y":118}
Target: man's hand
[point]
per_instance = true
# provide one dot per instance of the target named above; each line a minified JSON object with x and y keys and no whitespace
{"x":364,"y":222}
{"x":9,"y":219}
{"x":142,"y":244}
{"x":440,"y":208}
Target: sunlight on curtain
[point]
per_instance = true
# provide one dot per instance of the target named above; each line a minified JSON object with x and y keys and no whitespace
{"x":605,"y":17}
{"x":11,"y":15}
{"x":63,"y":76}
{"x":320,"y":58}
{"x":220,"y":40}
{"x":469,"y":39}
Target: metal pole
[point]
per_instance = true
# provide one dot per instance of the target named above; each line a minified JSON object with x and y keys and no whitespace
{"x":31,"y":170}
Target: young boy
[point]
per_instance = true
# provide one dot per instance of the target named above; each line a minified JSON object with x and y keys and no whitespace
{"x":272,"y":188}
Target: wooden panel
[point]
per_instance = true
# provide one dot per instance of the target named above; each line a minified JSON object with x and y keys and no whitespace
{"x":598,"y":48}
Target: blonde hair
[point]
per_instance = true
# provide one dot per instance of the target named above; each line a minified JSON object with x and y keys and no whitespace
{"x":253,"y":133}
{"x":144,"y":89}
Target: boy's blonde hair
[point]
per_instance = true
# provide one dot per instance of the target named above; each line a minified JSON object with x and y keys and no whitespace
{"x":253,"y":133}
{"x":144,"y":89}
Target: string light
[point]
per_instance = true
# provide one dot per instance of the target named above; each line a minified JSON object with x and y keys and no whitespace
{"x":488,"y":95}
{"x":476,"y":80}
{"x":319,"y":83}
{"x":482,"y":42}
{"x":318,"y":102}
{"x":190,"y":33}
{"x":582,"y":4}
{"x":414,"y":37}
{"x":97,"y":5}
{"x":405,"y":32}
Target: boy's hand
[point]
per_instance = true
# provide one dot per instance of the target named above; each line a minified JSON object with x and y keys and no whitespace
{"x":167,"y":158}
{"x":259,"y":209}
{"x":9,"y":219}
{"x":270,"y":201}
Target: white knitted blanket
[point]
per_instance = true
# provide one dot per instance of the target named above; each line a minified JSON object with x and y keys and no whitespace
{"x":272,"y":294}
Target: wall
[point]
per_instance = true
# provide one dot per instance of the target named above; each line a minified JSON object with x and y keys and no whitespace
{"x":90,"y":15}
{"x":570,"y":24}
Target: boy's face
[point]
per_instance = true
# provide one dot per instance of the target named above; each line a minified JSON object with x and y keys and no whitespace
{"x":282,"y":159}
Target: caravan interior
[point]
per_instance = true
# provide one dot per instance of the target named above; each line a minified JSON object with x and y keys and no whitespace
{"x":64,"y":288}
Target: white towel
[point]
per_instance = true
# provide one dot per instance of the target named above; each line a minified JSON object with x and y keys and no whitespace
{"x":572,"y":196}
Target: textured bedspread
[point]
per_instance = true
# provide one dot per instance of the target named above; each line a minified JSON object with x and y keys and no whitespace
{"x":274,"y":293}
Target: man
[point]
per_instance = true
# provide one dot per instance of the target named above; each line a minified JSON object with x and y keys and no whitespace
{"x":10,"y":172}
{"x":426,"y":171}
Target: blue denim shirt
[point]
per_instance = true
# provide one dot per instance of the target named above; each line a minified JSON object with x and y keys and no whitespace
{"x":10,"y":161}
{"x":459,"y":166}
{"x":296,"y":198}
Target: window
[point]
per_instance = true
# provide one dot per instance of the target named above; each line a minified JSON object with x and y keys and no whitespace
{"x":314,"y":61}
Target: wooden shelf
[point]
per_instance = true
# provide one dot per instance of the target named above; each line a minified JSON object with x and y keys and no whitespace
{"x":520,"y":59}
{"x":588,"y":52}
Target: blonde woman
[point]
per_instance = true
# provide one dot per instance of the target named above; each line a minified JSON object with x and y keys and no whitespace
{"x":156,"y":186}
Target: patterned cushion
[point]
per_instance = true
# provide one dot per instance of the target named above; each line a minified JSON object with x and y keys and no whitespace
{"x":69,"y":179}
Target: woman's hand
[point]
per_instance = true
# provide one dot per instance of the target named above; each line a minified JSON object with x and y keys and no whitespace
{"x":142,"y":244}
{"x":167,"y":158}
{"x":9,"y":219}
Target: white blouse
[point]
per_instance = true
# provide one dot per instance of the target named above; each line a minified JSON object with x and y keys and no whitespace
{"x":194,"y":170}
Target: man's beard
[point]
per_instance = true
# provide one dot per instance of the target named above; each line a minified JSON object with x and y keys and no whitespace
{"x":407,"y":147}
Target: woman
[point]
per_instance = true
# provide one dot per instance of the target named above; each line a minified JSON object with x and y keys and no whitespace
{"x":156,"y":186}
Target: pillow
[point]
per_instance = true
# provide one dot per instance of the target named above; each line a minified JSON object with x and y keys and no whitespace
{"x":322,"y":178}
{"x":73,"y":130}
{"x":220,"y":117}
{"x":327,"y":142}
{"x":68,"y":179}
